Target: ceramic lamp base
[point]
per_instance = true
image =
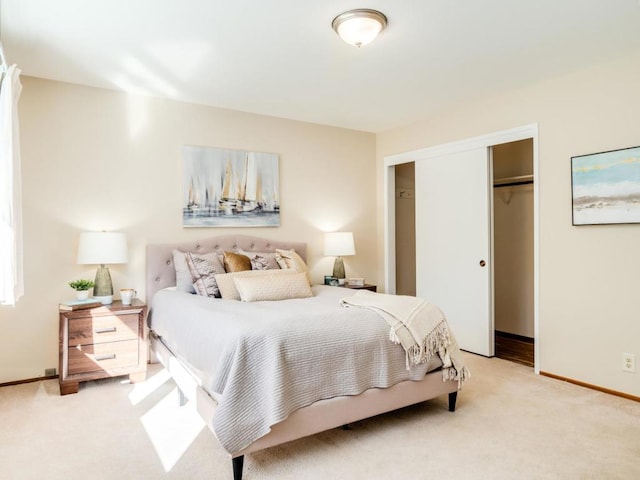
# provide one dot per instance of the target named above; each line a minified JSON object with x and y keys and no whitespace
{"x":338,"y":269}
{"x":103,"y":288}
{"x":104,"y":299}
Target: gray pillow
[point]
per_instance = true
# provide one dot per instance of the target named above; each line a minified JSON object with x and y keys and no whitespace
{"x":262,"y":260}
{"x":204,"y":267}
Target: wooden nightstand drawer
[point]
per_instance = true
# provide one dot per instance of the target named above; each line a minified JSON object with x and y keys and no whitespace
{"x":103,"y":356}
{"x":102,"y":342}
{"x":109,"y":328}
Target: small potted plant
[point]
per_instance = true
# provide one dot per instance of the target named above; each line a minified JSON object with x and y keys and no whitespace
{"x":81,"y":287}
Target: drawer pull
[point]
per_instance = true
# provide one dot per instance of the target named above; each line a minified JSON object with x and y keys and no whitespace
{"x":105,"y":330}
{"x":109,"y":356}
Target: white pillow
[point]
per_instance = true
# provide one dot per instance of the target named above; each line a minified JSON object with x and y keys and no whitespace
{"x":256,"y":289}
{"x":227,"y":285}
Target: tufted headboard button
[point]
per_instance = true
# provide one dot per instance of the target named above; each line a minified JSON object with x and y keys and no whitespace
{"x":157,"y":279}
{"x":198,"y":247}
{"x":168,"y":262}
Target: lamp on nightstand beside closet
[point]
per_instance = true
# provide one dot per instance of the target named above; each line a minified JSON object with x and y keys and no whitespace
{"x":102,"y":248}
{"x":339,"y":244}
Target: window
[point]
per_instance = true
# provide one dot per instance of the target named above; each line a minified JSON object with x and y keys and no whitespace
{"x":11,"y":282}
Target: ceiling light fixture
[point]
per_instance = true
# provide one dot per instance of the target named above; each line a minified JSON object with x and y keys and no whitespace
{"x":359,"y":27}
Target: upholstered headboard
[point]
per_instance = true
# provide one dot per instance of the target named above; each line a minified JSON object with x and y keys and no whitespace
{"x":161,"y":272}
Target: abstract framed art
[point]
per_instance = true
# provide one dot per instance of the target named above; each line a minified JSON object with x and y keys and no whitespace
{"x":230,"y":188}
{"x":605,"y":187}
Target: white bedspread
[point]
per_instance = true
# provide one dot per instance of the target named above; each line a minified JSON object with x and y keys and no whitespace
{"x":264,"y":360}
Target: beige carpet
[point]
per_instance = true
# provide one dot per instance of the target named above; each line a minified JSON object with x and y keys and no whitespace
{"x":509,"y":424}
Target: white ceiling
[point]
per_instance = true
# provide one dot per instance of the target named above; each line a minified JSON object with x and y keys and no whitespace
{"x":281,"y":57}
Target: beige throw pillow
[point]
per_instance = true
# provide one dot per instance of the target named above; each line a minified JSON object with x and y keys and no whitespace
{"x":227,"y":285}
{"x":290,"y":259}
{"x":257,"y":289}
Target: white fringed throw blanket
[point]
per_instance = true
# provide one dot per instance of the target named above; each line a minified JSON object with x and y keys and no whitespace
{"x":419,"y":326}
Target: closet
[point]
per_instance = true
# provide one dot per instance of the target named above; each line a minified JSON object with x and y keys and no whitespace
{"x":513,"y":251}
{"x":405,"y":234}
{"x":467,"y":244}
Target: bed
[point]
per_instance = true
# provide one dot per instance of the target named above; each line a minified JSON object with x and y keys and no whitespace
{"x":298,"y":411}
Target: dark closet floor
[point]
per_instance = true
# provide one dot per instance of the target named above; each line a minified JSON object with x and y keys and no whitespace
{"x":514,"y":348}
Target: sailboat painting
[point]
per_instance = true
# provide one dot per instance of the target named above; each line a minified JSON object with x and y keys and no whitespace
{"x":230,"y":188}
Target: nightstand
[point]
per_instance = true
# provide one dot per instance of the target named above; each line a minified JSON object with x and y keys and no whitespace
{"x":366,"y":286}
{"x":101,"y":342}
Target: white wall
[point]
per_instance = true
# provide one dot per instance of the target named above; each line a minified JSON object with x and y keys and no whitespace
{"x":95,"y":159}
{"x":589,"y":312}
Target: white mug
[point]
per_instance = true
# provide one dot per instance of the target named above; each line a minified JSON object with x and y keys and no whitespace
{"x":127,"y":295}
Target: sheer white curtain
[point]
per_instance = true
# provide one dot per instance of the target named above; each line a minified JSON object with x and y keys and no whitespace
{"x":11,"y":282}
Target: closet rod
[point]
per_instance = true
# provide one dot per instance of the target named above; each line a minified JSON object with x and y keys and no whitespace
{"x":513,"y":184}
{"x":513,"y":181}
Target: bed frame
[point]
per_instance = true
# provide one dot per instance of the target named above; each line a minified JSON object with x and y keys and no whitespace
{"x":320,"y":416}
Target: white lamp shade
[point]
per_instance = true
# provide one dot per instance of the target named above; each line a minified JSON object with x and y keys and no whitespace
{"x":339,"y":244}
{"x":100,"y":248}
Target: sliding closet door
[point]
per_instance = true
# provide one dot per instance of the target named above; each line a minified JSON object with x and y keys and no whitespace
{"x":453,"y":243}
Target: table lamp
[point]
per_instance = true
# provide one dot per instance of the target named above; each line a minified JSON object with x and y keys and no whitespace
{"x":102,"y":248}
{"x":339,"y":244}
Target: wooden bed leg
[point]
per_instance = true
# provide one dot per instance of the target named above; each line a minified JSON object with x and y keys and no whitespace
{"x":453,"y":396}
{"x":238,"y":463}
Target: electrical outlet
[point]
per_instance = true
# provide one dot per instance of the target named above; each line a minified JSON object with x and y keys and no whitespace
{"x":49,"y":372}
{"x":629,"y":362}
